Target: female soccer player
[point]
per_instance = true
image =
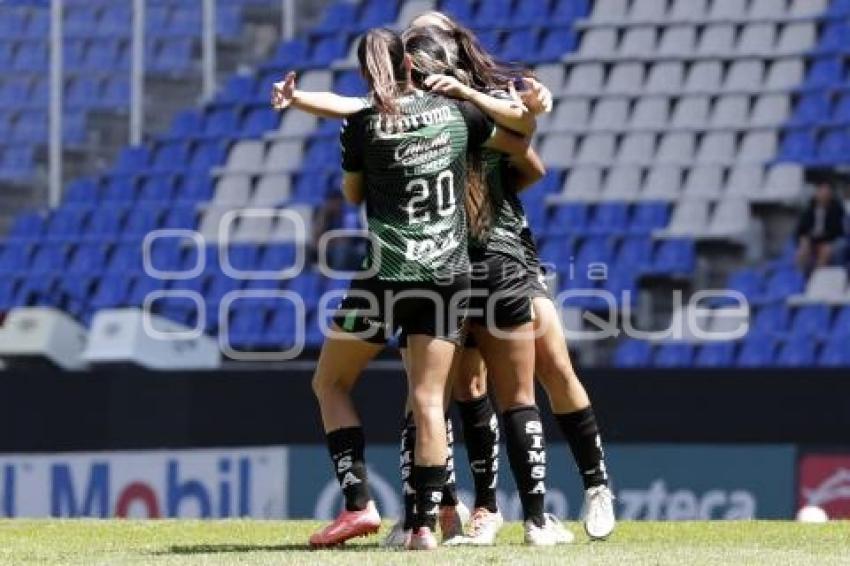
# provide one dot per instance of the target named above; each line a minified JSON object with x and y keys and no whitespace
{"x":568,"y":399}
{"x":405,"y":157}
{"x":513,"y":355}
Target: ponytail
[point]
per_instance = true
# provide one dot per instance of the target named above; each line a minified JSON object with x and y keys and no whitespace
{"x":381,"y":56}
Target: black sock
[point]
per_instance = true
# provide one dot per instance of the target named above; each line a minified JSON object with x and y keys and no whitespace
{"x":582,"y":433}
{"x":428,"y":482}
{"x":481,"y":435}
{"x":450,"y":487}
{"x":527,"y":455}
{"x":406,"y":454}
{"x":347,"y":447}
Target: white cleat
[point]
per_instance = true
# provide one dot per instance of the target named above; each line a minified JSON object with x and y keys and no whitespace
{"x":599,"y":520}
{"x":483,"y":528}
{"x":397,"y":537}
{"x":451,"y":520}
{"x":550,"y":534}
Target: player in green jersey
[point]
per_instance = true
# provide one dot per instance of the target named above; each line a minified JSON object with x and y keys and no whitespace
{"x":405,"y":158}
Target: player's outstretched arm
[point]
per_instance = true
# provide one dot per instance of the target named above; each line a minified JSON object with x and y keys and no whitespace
{"x":510,"y":113}
{"x":322,"y":104}
{"x":528,"y":168}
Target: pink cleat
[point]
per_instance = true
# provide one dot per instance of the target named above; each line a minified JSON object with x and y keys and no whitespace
{"x":349,"y":524}
{"x":422,"y":539}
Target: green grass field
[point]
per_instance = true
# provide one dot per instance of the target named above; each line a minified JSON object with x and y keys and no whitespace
{"x":273,"y":542}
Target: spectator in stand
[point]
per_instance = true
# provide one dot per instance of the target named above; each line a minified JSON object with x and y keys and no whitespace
{"x":820,"y":229}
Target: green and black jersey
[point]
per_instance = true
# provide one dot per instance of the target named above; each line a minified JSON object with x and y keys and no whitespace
{"x":414,"y":168}
{"x":508,"y":216}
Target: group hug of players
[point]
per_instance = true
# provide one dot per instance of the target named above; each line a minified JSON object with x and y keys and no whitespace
{"x":438,"y":152}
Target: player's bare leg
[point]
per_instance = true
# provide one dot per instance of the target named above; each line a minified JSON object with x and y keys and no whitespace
{"x":571,"y":408}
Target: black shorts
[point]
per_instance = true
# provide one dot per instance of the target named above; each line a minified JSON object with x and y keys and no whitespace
{"x":537,"y":276}
{"x":377,"y":310}
{"x":501,"y":297}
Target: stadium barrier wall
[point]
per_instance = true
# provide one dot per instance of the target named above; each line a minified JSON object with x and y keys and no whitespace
{"x":680,"y":445}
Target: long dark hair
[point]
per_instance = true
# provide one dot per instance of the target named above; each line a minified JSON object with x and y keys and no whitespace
{"x":432,"y":51}
{"x":381,"y":56}
{"x":486,"y":72}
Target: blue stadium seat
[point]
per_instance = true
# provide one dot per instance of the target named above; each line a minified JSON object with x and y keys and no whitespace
{"x":31,"y":57}
{"x":493,"y":14}
{"x":238,"y":89}
{"x":811,"y":323}
{"x":186,"y":125}
{"x":82,"y":192}
{"x":38,"y":24}
{"x":460,"y":10}
{"x":797,"y":354}
{"x":377,"y":13}
{"x":674,"y":355}
{"x":6,"y":53}
{"x":221,"y":124}
{"x":244,"y":257}
{"x":170,"y":157}
{"x":185,"y":21}
{"x":195,"y":188}
{"x":173,"y":56}
{"x":568,"y":219}
{"x":156,"y":189}
{"x":102,"y":55}
{"x":132,"y":160}
{"x":812,"y":108}
{"x":557,"y":250}
{"x":748,"y":282}
{"x":834,"y":354}
{"x":9,"y":293}
{"x":119,"y":189}
{"x":258,"y":122}
{"x":27,"y":226}
{"x":66,"y":223}
{"x":126,"y":258}
{"x":142,"y":220}
{"x":228,"y":20}
{"x":609,"y":219}
{"x":142,"y":286}
{"x":715,"y":355}
{"x":30,"y":128}
{"x":308,"y":286}
{"x":74,"y":54}
{"x":113,"y":20}
{"x":835,"y":38}
{"x":771,"y":320}
{"x":180,"y":216}
{"x":798,"y":146}
{"x":838,"y":9}
{"x":18,"y":163}
{"x":105,"y":224}
{"x":595,"y":250}
{"x":530,"y":13}
{"x":15,"y":93}
{"x":780,"y":285}
{"x":219,"y":285}
{"x":206,"y":156}
{"x":88,"y":259}
{"x":14,"y":258}
{"x":288,"y":55}
{"x":157,"y":16}
{"x":277,"y":257}
{"x":824,"y":72}
{"x":568,"y":11}
{"x":635,"y":255}
{"x":321,"y":155}
{"x":326,"y":51}
{"x":12,"y":24}
{"x":80,"y":20}
{"x":247,"y":325}
{"x":520,"y":44}
{"x":649,"y":216}
{"x":280,"y":332}
{"x":116,"y":93}
{"x":841,"y":112}
{"x":49,"y":258}
{"x":841,"y":326}
{"x":112,"y":291}
{"x":675,"y":257}
{"x":338,"y":16}
{"x":311,"y":187}
{"x":758,"y":350}
{"x":350,"y":83}
{"x":556,"y":42}
{"x":622,"y":286}
{"x":834,"y":147}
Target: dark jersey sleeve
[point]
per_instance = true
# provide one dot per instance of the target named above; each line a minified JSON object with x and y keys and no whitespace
{"x":350,"y":139}
{"x":480,"y":125}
